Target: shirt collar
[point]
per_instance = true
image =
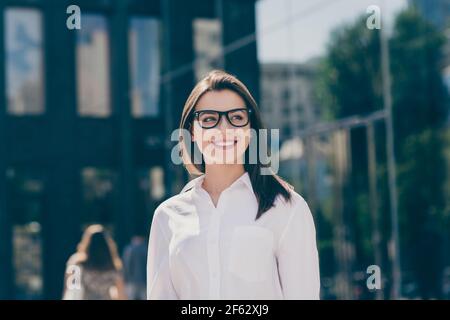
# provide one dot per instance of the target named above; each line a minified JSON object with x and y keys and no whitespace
{"x":193,"y":183}
{"x":197,"y":182}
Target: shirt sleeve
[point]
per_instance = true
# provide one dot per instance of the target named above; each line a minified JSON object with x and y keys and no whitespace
{"x":73,"y":288}
{"x":159,"y":282}
{"x":297,"y":256}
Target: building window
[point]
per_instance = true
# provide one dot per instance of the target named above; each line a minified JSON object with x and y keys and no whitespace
{"x":151,"y":192}
{"x":98,"y":196}
{"x":93,"y":74}
{"x":144,"y":52}
{"x":286,"y":96}
{"x":151,"y":183}
{"x":24,"y":62}
{"x":25,"y":192}
{"x":207,"y":35}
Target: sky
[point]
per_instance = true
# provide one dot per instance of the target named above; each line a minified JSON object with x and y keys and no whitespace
{"x":309,"y":25}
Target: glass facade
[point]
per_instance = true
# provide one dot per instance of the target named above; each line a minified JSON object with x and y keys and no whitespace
{"x":26,"y":194}
{"x":93,"y":67}
{"x":99,"y":195}
{"x":207,"y":34}
{"x":144,"y":53}
{"x":24,"y":61}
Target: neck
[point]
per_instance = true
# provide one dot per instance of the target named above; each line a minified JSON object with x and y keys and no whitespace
{"x":219,"y":177}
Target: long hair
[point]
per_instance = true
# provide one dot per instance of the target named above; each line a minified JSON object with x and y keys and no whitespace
{"x":97,"y":250}
{"x":266,"y":187}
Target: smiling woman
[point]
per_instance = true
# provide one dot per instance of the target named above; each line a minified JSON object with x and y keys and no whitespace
{"x":232,"y":232}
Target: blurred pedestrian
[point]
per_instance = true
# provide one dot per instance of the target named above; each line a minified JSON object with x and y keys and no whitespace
{"x":94,"y":272}
{"x":134,"y":267}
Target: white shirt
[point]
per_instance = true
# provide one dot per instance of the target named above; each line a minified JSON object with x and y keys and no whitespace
{"x":198,"y":251}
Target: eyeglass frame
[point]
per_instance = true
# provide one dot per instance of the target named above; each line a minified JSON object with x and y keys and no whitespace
{"x":223,"y":113}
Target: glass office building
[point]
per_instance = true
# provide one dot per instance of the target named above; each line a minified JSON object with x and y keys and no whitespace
{"x":86,"y":116}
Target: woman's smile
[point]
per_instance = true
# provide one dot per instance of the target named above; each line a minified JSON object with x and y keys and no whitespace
{"x":224,"y":144}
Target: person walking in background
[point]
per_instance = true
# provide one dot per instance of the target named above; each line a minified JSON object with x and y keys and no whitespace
{"x":134,"y":267}
{"x":94,"y":272}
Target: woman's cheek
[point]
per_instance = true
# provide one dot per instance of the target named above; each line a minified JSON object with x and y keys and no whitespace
{"x":198,"y":138}
{"x":243,"y":142}
{"x":203,"y":137}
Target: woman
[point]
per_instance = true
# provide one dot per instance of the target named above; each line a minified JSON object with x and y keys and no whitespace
{"x":233,"y":232}
{"x":94,"y":271}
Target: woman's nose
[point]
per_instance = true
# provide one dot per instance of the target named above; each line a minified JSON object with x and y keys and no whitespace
{"x":223,"y":123}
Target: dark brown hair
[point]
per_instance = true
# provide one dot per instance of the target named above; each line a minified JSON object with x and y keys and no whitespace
{"x":97,"y":250}
{"x":265,"y":187}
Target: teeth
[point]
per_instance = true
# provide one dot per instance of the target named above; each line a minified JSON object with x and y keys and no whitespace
{"x":224,"y":143}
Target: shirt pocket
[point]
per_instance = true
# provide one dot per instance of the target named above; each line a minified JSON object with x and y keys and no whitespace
{"x":251,"y":253}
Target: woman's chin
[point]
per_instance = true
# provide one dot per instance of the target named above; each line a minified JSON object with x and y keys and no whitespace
{"x":228,"y":159}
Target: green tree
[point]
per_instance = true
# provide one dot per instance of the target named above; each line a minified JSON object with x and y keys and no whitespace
{"x":420,"y":106}
{"x":350,"y":83}
{"x":346,"y":87}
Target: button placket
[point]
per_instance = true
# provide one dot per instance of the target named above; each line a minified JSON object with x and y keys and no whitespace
{"x":214,"y":255}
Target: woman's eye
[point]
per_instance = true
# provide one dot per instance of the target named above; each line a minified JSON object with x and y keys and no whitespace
{"x":237,"y":117}
{"x":209,"y":119}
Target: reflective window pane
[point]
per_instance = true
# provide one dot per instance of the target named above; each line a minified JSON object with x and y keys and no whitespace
{"x":93,"y":67}
{"x":24,"y":61}
{"x":98,"y":195}
{"x":25,"y":194}
{"x":144,"y":52}
{"x":156,"y":177}
{"x":151,"y":191}
{"x":207,"y":45}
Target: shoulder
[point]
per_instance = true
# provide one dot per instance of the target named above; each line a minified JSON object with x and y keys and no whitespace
{"x":75,"y":260}
{"x":296,"y":208}
{"x":173,"y":206}
{"x":295,"y":202}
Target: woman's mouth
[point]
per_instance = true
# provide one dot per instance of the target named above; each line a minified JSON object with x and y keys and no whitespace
{"x":224,"y":144}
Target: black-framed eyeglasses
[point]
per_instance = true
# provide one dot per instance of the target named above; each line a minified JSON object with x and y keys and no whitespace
{"x":209,"y":119}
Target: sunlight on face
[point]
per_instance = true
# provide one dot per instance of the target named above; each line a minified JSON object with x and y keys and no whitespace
{"x":225,"y":143}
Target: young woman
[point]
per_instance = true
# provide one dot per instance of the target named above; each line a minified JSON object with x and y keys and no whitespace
{"x":232,"y":232}
{"x":98,"y":266}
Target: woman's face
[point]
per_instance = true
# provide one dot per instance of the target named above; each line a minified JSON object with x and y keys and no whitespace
{"x":221,"y":142}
